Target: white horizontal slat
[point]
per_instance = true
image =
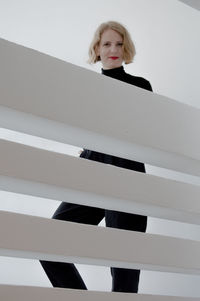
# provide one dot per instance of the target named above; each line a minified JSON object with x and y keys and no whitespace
{"x":33,"y":171}
{"x":19,"y":293}
{"x":44,"y":96}
{"x":40,"y":238}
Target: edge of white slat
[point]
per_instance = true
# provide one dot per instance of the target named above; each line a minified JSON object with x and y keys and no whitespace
{"x":192,"y":3}
{"x":41,"y":238}
{"x":19,"y":293}
{"x":42,"y":173}
{"x":44,"y":100}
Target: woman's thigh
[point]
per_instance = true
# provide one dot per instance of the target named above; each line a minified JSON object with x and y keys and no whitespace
{"x":79,"y":213}
{"x":126,"y":221}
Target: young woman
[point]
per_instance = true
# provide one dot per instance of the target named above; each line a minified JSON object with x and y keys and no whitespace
{"x":112,"y":45}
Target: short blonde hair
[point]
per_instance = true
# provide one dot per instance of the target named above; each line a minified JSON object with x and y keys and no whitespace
{"x":128,"y":45}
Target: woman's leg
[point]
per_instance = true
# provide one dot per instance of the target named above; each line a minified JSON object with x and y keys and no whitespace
{"x":125,"y":280}
{"x":65,"y":274}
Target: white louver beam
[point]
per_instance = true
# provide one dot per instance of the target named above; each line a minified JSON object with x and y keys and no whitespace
{"x":31,"y":237}
{"x":19,"y":293}
{"x":47,"y":97}
{"x":42,"y":173}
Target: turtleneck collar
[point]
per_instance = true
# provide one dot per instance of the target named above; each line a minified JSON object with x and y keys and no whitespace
{"x":113,"y":72}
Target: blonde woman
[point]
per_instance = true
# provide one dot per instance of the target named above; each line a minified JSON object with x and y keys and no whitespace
{"x":113,"y":46}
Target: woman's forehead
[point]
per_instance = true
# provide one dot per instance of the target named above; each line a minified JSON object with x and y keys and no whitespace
{"x":110,"y":34}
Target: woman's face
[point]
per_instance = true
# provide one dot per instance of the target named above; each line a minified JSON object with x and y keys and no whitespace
{"x":110,"y":49}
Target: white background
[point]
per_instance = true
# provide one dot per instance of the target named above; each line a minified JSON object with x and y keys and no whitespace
{"x":166,"y":35}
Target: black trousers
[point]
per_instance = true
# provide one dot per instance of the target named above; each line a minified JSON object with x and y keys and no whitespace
{"x":65,"y":274}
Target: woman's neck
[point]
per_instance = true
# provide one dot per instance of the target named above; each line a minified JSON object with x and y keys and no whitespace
{"x":113,"y":70}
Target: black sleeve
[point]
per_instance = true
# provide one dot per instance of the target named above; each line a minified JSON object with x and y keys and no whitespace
{"x":148,"y":86}
{"x":145,"y":84}
{"x":140,"y":82}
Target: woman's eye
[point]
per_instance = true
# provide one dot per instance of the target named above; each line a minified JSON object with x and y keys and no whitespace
{"x":108,"y":44}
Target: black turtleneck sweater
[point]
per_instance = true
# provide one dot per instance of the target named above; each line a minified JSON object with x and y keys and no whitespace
{"x":120,"y":74}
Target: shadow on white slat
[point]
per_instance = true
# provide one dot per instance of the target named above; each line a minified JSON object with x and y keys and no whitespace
{"x":39,"y":142}
{"x":14,"y":293}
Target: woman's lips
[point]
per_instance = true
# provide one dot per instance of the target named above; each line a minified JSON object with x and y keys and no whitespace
{"x":113,"y":57}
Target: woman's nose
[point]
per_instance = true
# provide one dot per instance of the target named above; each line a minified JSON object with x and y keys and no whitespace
{"x":113,"y":48}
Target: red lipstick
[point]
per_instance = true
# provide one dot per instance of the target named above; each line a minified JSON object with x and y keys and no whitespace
{"x":113,"y":57}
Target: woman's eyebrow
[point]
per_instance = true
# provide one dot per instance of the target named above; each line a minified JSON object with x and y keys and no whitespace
{"x":110,"y":41}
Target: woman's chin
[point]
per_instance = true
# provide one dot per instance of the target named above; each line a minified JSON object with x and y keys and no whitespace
{"x":112,"y":65}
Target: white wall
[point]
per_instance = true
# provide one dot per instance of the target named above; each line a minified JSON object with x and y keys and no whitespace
{"x":166,"y":34}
